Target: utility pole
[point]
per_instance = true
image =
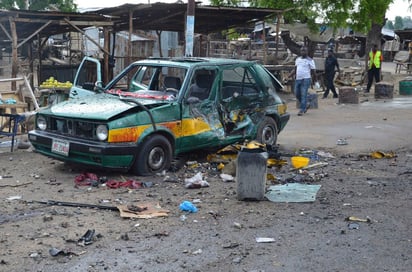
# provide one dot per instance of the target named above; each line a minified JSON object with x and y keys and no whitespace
{"x":190,"y":28}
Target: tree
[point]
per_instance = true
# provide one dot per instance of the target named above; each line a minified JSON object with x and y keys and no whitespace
{"x":61,"y":5}
{"x":389,"y":25}
{"x":398,"y":23}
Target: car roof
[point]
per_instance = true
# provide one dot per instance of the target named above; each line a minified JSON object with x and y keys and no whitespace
{"x":190,"y":61}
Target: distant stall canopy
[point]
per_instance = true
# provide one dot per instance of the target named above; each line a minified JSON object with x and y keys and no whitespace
{"x":27,"y":25}
{"x":171,"y":17}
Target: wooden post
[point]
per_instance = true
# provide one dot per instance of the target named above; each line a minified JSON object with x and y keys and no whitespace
{"x":279,"y":15}
{"x":264,"y":42}
{"x":190,"y":28}
{"x":106,"y":56}
{"x":129,"y":44}
{"x":15,"y":61}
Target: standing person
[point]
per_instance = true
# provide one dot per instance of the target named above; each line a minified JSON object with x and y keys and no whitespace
{"x":304,"y":70}
{"x":374,"y":71}
{"x":330,"y":63}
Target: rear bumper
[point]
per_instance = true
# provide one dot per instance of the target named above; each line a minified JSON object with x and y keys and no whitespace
{"x":118,"y":156}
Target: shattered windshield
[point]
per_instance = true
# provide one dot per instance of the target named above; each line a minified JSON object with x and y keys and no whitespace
{"x":150,"y":82}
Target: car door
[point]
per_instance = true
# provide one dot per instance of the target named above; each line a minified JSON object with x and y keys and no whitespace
{"x":201,"y":126}
{"x":241,"y":99}
{"x":88,"y":79}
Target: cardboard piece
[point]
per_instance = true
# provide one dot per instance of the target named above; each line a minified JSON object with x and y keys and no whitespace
{"x":148,"y":210}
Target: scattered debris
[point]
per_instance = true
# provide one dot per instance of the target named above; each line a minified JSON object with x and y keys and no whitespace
{"x":292,"y":192}
{"x":35,"y":255}
{"x":230,"y":245}
{"x":91,"y":179}
{"x":230,"y":168}
{"x":357,"y":219}
{"x":214,"y":214}
{"x":131,"y":184}
{"x":16,"y":197}
{"x":161,"y":234}
{"x":324,"y":154}
{"x":65,"y":252}
{"x":197,"y":252}
{"x":342,"y":142}
{"x":315,"y":165}
{"x":265,"y":240}
{"x":125,"y":237}
{"x":15,"y":185}
{"x":353,"y":226}
{"x":136,"y":209}
{"x":187,"y":206}
{"x":227,"y":177}
{"x":3,"y":177}
{"x":47,"y":218}
{"x":308,"y":153}
{"x":276,"y":162}
{"x":77,"y":205}
{"x":142,"y":211}
{"x":87,"y":238}
{"x":270,"y":177}
{"x":196,"y":182}
{"x":86,"y":179}
{"x":381,"y":155}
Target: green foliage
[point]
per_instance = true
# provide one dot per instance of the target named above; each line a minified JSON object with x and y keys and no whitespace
{"x":357,"y":14}
{"x":61,"y":5}
{"x":226,"y":3}
{"x":398,"y":23}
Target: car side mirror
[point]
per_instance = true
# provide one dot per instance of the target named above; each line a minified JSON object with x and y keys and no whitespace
{"x":98,"y":85}
{"x":193,"y":100}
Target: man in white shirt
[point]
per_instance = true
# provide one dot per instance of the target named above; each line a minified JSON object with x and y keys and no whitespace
{"x":304,"y":70}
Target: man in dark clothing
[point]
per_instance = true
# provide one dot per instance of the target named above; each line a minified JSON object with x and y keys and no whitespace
{"x":330,"y":63}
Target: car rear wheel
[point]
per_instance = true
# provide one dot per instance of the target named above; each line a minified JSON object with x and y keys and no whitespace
{"x":267,"y":132}
{"x":154,"y":156}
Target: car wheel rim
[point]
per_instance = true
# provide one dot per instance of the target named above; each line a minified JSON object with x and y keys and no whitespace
{"x":156,"y":158}
{"x":268,"y":135}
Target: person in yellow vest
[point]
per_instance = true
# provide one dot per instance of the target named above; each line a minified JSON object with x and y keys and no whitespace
{"x":374,"y":66}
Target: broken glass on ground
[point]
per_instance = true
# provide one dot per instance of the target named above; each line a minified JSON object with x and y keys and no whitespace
{"x":292,"y":192}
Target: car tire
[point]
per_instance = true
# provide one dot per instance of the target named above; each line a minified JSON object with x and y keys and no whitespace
{"x":267,"y":132}
{"x":154,"y":156}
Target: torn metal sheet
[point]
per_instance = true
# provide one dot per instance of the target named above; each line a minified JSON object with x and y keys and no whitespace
{"x":292,"y":192}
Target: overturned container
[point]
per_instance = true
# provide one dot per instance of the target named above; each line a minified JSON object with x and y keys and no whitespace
{"x":405,"y":86}
{"x":383,"y":90}
{"x":251,"y":174}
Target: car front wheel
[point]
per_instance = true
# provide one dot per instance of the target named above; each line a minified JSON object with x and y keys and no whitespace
{"x":267,"y":132}
{"x":154,"y":156}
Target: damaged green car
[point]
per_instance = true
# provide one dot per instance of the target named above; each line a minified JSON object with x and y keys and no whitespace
{"x":157,"y":109}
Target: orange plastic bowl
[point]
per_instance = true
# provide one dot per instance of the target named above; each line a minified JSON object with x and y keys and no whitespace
{"x":299,"y":162}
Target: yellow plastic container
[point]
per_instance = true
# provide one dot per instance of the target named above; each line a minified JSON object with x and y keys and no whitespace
{"x":299,"y":162}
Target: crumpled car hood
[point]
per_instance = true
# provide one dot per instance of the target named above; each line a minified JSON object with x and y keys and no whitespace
{"x":97,"y":106}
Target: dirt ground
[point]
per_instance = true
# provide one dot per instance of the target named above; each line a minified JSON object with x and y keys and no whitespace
{"x":221,"y":236}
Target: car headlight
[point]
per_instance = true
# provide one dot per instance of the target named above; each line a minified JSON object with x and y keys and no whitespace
{"x":41,"y":123}
{"x":102,"y":132}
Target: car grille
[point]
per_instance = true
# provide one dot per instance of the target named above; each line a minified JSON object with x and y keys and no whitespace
{"x":70,"y":127}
